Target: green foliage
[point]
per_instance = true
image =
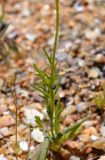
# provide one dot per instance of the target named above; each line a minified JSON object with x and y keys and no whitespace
{"x":48,"y":85}
{"x":38,"y":121}
{"x":100,"y":99}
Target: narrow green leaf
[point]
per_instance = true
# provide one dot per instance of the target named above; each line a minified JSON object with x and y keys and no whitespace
{"x":58,"y":110}
{"x":49,"y":58}
{"x":38,"y":121}
{"x":72,"y":130}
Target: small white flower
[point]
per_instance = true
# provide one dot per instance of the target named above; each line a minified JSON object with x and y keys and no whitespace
{"x":30,"y":114}
{"x":37,"y":135}
{"x":2,"y":157}
{"x":23,"y":145}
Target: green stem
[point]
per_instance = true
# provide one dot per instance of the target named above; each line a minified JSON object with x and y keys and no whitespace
{"x":53,"y":64}
{"x":57,"y":30}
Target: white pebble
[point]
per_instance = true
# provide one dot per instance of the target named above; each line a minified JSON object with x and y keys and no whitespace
{"x":93,"y":137}
{"x":23,"y":145}
{"x":37,"y":135}
{"x":74,"y":158}
{"x":30,"y":114}
{"x":102,"y":130}
{"x":2,"y":157}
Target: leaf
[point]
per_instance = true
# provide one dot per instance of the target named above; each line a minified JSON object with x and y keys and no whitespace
{"x":49,"y":58}
{"x":38,"y":121}
{"x":33,"y":155}
{"x":72,"y":130}
{"x":58,"y":110}
{"x":44,"y":148}
{"x":49,"y":111}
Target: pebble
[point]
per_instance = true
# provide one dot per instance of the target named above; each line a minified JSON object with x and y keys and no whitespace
{"x":68,"y":120}
{"x":91,"y":35}
{"x":84,"y":138}
{"x":81,"y":107}
{"x":2,"y":157}
{"x":23,"y":145}
{"x":94,"y":73}
{"x":30,"y":112}
{"x":72,"y":144}
{"x":99,"y":58}
{"x":3,"y":108}
{"x":94,"y":138}
{"x":81,"y":63}
{"x":6,"y":120}
{"x":87,"y":123}
{"x":31,"y":37}
{"x":5,"y":132}
{"x":102,"y":130}
{"x":37,"y":135}
{"x":68,"y":110}
{"x":74,"y":158}
{"x":102,"y":158}
{"x":90,"y":131}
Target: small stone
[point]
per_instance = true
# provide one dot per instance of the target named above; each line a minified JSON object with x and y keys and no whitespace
{"x":102,"y":130}
{"x":87,"y":123}
{"x":1,"y":136}
{"x":5,"y":132}
{"x":3,"y":108}
{"x":72,"y":144}
{"x":65,"y":154}
{"x":81,"y":107}
{"x":78,"y":7}
{"x":2,"y":157}
{"x":100,"y":58}
{"x":102,"y":158}
{"x":74,"y":158}
{"x":30,"y":112}
{"x":84,"y":138}
{"x":68,"y":110}
{"x":90,"y":131}
{"x":31,"y":37}
{"x":91,"y":35}
{"x":81,"y":63}
{"x":6,"y":120}
{"x":23,"y":146}
{"x":94,"y":138}
{"x":68,"y":120}
{"x":37,"y":135}
{"x":94,"y":73}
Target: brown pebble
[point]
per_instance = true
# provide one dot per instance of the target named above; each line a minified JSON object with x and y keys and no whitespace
{"x":100,"y":58}
{"x":68,"y":120}
{"x":6,"y":120}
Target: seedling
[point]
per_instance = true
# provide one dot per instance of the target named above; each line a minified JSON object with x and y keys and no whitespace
{"x":48,"y":86}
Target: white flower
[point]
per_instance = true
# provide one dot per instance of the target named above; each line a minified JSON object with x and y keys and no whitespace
{"x":23,"y":145}
{"x":37,"y":135}
{"x":30,"y":114}
{"x":2,"y":157}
